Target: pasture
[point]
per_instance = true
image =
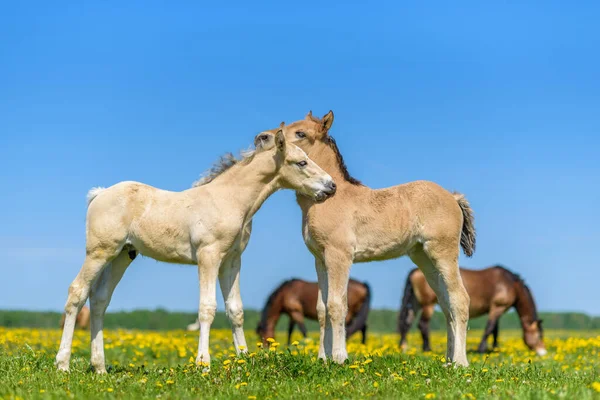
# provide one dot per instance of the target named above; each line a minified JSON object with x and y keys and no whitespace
{"x":149,"y":364}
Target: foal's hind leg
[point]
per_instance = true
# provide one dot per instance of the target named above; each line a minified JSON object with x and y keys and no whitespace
{"x":439,"y":262}
{"x":100,"y":296}
{"x":229,"y":279}
{"x":78,"y":293}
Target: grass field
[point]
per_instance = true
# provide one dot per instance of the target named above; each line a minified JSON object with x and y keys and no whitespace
{"x":148,"y":364}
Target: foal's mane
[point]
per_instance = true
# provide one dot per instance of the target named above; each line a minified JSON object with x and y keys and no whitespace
{"x":340,"y":160}
{"x":224,"y":163}
{"x":330,"y":141}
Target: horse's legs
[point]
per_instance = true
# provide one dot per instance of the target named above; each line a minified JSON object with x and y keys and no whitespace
{"x":78,"y":293}
{"x":321,"y":307}
{"x":209,"y":263}
{"x":338,"y":273}
{"x":495,"y":333}
{"x":296,"y":317}
{"x":439,"y":263}
{"x":229,"y":278}
{"x":364,"y":333}
{"x":100,"y":296}
{"x":404,"y":325}
{"x":490,"y":327}
{"x":290,"y":330}
{"x":426,"y":315}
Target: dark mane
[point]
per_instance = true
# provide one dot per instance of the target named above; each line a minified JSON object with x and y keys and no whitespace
{"x":263,"y":317}
{"x":331,"y":142}
{"x":340,"y":159}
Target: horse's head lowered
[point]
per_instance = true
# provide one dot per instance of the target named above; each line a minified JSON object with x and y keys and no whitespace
{"x":533,"y":336}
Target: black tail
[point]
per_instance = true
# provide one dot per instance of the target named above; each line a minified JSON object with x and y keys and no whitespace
{"x":360,"y":319}
{"x":410,"y":306}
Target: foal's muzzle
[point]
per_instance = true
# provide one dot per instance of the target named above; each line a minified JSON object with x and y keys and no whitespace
{"x":327,"y":192}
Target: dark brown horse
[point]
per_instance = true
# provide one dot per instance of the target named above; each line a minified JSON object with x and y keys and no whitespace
{"x":298,"y":299}
{"x":493,"y":291}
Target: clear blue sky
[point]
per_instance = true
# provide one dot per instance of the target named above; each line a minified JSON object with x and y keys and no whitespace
{"x":498,"y":101}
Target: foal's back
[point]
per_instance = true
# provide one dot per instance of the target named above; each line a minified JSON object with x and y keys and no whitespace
{"x":157,"y":223}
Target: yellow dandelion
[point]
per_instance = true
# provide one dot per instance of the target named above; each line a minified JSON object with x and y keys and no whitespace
{"x":270,"y":340}
{"x":430,"y":396}
{"x":241,"y":361}
{"x":375,"y":384}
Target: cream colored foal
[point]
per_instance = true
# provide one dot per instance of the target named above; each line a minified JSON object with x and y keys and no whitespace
{"x":207,"y":225}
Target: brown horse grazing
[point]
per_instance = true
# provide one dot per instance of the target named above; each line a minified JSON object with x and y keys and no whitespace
{"x":298,"y":299}
{"x":82,"y":321}
{"x":493,"y":291}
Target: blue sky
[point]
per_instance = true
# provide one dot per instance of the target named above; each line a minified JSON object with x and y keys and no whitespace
{"x":498,"y":101}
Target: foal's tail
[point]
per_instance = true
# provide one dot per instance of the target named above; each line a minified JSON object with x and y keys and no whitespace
{"x":410,"y":305}
{"x":360,"y":319}
{"x":467,"y":237}
{"x":93,"y":193}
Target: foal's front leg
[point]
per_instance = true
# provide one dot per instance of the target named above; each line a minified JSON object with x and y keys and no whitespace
{"x":337,"y":266}
{"x":209,"y":262}
{"x":229,"y":278}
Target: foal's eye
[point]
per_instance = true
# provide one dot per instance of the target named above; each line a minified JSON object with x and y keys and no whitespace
{"x":264,"y":137}
{"x":300,"y":135}
{"x":302,"y":164}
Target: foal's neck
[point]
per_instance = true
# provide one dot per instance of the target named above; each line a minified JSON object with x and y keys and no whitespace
{"x":326,"y":157}
{"x":249,"y":185}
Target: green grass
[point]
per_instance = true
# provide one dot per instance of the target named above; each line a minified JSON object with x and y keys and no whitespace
{"x":156,"y":365}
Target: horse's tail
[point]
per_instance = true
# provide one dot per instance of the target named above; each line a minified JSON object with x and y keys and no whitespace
{"x":467,"y":237}
{"x":93,"y":193}
{"x":410,"y":305}
{"x":360,"y":319}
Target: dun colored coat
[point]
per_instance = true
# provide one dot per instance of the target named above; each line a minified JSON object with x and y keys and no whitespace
{"x":359,"y":224}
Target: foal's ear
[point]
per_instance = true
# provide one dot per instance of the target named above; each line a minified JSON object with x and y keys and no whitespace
{"x":280,"y":141}
{"x":309,"y":115}
{"x":328,"y":120}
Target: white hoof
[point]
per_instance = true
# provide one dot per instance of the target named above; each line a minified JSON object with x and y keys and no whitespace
{"x":340,"y":356}
{"x":541,"y":352}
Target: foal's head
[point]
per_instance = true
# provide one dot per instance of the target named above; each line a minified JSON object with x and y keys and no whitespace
{"x":312,"y":133}
{"x":295,"y":170}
